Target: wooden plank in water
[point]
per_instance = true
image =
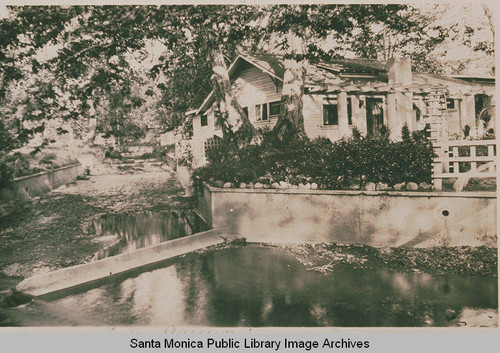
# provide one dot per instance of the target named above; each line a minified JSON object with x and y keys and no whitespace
{"x":73,"y":276}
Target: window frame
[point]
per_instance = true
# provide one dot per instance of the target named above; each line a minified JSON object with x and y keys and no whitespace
{"x":349,"y":111}
{"x":261,"y":115}
{"x":276,"y":104}
{"x":327,"y":107}
{"x":204,"y":118}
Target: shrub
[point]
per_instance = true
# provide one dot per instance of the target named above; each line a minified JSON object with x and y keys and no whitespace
{"x":48,"y":158}
{"x":5,"y":174}
{"x":354,"y":160}
{"x":19,"y":164}
{"x":114,"y":154}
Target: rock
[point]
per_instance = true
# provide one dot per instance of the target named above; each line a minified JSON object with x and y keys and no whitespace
{"x":301,"y":186}
{"x":314,"y":186}
{"x":428,"y":320}
{"x":399,"y":186}
{"x":243,"y":185}
{"x":266,"y":186}
{"x":307,"y":186}
{"x":250,"y":185}
{"x":294,"y":186}
{"x":382,"y":186}
{"x":411,"y":186}
{"x":450,"y":314}
{"x":275,"y":185}
{"x":218,"y":184}
{"x":354,"y":187}
{"x":258,"y":186}
{"x":283,"y":185}
{"x":370,"y":186}
{"x":425,"y":186}
{"x":227,"y":185}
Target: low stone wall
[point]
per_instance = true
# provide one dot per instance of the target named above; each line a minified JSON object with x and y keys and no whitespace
{"x":392,"y":218}
{"x":42,"y":183}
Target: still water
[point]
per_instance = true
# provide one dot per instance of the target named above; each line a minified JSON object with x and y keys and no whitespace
{"x":259,"y":286}
{"x":137,"y":231}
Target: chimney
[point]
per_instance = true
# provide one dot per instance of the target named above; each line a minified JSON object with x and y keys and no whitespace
{"x":399,"y":70}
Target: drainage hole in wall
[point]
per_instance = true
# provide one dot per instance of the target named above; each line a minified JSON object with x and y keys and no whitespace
{"x":445,"y":213}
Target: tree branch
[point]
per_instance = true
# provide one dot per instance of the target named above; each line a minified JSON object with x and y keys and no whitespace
{"x":93,"y":47}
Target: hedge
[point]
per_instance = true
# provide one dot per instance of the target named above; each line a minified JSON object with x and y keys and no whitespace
{"x":332,"y":165}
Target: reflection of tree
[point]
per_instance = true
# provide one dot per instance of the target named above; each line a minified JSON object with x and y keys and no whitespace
{"x":196,"y":275}
{"x":268,"y":287}
{"x":140,"y":230}
{"x":291,"y":310}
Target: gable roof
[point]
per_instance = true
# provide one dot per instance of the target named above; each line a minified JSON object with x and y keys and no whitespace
{"x":362,"y":75}
{"x":319,"y":76}
{"x":270,"y":64}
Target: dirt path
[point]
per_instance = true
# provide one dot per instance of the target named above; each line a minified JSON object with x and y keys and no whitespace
{"x":53,"y":231}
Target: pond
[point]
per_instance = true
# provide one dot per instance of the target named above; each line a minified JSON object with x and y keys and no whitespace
{"x":135,"y":231}
{"x":268,"y":286}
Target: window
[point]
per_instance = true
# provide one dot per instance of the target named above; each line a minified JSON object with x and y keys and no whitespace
{"x":416,"y":112}
{"x":261,"y":112}
{"x":450,"y":103}
{"x":349,"y":111}
{"x":204,"y":120}
{"x":274,"y":108}
{"x":330,"y":114}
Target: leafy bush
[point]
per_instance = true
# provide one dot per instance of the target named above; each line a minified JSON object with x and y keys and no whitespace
{"x":354,"y":160}
{"x":48,"y":158}
{"x":158,"y":152}
{"x":19,"y":164}
{"x":5,"y":174}
{"x":114,"y":154}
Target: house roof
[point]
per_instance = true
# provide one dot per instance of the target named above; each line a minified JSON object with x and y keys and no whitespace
{"x":476,"y":79}
{"x":357,"y":75}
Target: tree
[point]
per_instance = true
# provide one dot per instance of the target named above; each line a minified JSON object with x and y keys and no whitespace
{"x":88,"y":36}
{"x":93,"y":45}
{"x":302,"y":29}
{"x":409,"y":31}
{"x":217,"y":31}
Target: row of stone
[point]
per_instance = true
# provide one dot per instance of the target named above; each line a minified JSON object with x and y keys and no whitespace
{"x":411,"y":186}
{"x":280,"y":185}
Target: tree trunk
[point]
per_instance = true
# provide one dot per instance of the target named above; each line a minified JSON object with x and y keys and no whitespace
{"x":229,"y":111}
{"x":488,"y":14}
{"x":291,"y":119}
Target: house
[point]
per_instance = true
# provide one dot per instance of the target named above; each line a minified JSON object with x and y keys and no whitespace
{"x":344,"y":94}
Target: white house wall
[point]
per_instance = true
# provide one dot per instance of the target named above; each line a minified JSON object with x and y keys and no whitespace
{"x":200,"y":135}
{"x":254,"y":87}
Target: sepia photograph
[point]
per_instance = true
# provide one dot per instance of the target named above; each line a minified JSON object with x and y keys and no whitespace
{"x":248,"y":166}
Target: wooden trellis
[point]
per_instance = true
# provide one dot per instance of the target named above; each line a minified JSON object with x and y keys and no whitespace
{"x":212,"y":142}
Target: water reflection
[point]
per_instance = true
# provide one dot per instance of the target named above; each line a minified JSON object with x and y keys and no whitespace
{"x":268,"y":287}
{"x":140,"y":230}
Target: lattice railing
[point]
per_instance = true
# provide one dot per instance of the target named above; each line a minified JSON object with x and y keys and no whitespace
{"x":474,"y":159}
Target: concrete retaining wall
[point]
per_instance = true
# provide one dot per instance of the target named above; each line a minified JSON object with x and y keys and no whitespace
{"x":42,"y":183}
{"x":70,"y":277}
{"x":420,"y":219}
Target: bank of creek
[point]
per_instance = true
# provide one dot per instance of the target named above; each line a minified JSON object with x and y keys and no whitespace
{"x":233,"y":284}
